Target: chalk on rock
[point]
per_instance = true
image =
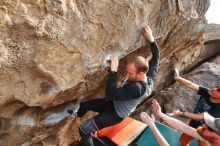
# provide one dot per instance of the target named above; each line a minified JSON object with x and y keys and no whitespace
{"x":106,"y":59}
{"x":60,"y":115}
{"x":56,"y":118}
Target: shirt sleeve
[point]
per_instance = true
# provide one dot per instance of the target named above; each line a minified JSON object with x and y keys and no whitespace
{"x":204,"y":92}
{"x":214,"y":111}
{"x":131,"y":90}
{"x":154,"y":62}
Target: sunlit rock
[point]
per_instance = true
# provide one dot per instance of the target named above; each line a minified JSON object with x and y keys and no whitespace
{"x":54,"y":53}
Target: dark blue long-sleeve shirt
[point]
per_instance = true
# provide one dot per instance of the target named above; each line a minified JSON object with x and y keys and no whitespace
{"x":127,"y":97}
{"x":133,"y":89}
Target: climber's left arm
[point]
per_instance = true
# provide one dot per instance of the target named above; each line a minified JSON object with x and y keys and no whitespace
{"x":154,"y":62}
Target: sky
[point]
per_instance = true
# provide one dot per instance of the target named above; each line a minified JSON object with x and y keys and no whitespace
{"x":213,"y":13}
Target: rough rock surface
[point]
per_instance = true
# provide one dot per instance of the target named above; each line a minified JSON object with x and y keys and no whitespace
{"x":212,"y":33}
{"x":178,"y":97}
{"x":54,"y":52}
{"x":211,"y":47}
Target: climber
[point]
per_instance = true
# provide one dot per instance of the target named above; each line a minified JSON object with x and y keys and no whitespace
{"x":209,"y":132}
{"x":208,"y":102}
{"x":120,"y":102}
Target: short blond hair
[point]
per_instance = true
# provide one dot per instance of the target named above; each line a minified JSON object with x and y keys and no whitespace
{"x":140,"y":64}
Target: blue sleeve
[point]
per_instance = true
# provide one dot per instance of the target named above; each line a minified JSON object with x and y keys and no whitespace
{"x":131,"y":90}
{"x":154,"y":62}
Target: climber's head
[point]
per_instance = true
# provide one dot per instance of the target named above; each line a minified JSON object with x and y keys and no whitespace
{"x":137,"y":68}
{"x":215,"y":92}
{"x":210,"y":131}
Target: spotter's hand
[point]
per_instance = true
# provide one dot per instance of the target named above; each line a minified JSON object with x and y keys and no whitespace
{"x":147,"y":119}
{"x":176,"y":74}
{"x":156,"y":108}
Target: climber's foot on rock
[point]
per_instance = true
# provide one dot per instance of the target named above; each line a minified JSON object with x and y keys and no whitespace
{"x":72,"y":110}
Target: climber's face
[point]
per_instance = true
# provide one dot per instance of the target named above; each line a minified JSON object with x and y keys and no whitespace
{"x":209,"y":135}
{"x":215,"y":92}
{"x":131,"y":72}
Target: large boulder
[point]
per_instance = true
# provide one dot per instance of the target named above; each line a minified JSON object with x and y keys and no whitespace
{"x":56,"y":52}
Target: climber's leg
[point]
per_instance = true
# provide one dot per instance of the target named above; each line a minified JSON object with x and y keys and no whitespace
{"x":96,"y":105}
{"x":106,"y":118}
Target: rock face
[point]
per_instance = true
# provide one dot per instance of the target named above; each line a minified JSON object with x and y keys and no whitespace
{"x":212,"y":33}
{"x":55,"y":52}
{"x":211,"y":47}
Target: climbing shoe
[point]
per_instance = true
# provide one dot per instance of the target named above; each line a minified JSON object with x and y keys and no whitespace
{"x":73,"y":109}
